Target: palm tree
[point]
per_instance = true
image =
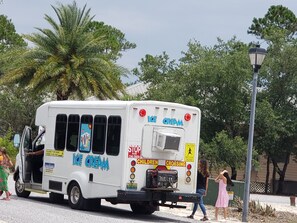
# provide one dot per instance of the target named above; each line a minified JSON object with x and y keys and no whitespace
{"x":66,"y":60}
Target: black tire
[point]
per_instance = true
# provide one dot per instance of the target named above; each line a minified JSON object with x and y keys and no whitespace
{"x":20,"y":189}
{"x":75,"y":198}
{"x":143,"y":208}
{"x":56,"y":198}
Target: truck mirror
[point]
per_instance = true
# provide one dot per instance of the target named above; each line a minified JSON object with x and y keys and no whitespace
{"x":16,"y":140}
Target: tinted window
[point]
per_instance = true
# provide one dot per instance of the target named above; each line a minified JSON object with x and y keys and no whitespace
{"x":113,"y":135}
{"x":60,"y":132}
{"x":85,"y":133}
{"x":99,"y":134}
{"x":72,"y":132}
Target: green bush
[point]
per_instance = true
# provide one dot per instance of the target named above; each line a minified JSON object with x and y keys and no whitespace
{"x":8,"y":144}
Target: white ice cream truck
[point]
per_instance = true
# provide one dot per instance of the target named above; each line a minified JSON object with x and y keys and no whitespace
{"x":142,"y":153}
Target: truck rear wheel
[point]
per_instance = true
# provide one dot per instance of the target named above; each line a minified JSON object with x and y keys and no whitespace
{"x":20,"y":189}
{"x":144,"y":208}
{"x":75,"y":198}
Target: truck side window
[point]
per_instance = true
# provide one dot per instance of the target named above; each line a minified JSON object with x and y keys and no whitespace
{"x":113,"y":135}
{"x":72,"y":132}
{"x":60,"y":132}
{"x":85,"y":133}
{"x":99,"y":134}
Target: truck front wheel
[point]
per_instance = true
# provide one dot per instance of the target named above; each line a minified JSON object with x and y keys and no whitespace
{"x":20,"y":189}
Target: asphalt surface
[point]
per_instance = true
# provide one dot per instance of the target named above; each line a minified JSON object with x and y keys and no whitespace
{"x":280,"y":203}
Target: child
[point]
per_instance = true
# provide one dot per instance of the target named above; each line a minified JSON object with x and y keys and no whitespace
{"x":223,"y":198}
{"x":5,"y":163}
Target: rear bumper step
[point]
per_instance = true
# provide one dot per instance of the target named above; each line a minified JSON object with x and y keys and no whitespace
{"x":128,"y":196}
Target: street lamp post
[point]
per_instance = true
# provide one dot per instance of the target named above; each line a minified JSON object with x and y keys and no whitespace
{"x":257,"y":56}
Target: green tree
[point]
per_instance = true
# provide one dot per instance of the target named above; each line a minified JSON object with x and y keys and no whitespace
{"x":276,"y":128}
{"x":278,"y":23}
{"x":6,"y":142}
{"x":66,"y":60}
{"x":268,"y":129}
{"x":224,"y":151}
{"x":160,"y":73}
{"x":280,"y":91}
{"x":114,"y":40}
{"x":8,"y":36}
{"x":18,"y":108}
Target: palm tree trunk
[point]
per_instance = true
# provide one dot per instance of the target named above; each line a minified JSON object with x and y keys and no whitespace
{"x":61,"y":96}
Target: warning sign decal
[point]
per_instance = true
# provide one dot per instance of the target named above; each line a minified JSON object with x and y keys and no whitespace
{"x":190,"y":152}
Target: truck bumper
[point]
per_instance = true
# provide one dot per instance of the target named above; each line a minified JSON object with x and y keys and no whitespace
{"x":130,"y":196}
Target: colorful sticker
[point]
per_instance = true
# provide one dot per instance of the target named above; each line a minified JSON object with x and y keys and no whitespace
{"x":147,"y":161}
{"x":172,"y":121}
{"x":175,"y":163}
{"x":85,"y":138}
{"x":190,"y":152}
{"x":152,"y":119}
{"x":131,"y":186}
{"x":91,"y":161}
{"x":57,"y":153}
{"x":134,"y":151}
{"x":49,"y":167}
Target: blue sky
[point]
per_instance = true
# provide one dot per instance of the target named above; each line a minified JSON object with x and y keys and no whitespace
{"x":155,"y":25}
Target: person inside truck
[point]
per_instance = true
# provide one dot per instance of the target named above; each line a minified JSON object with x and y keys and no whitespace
{"x":38,"y":152}
{"x":36,"y":157}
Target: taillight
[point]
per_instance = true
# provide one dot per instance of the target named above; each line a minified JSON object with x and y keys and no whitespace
{"x":132,"y":170}
{"x":189,"y":173}
{"x":132,"y":176}
{"x":133,"y":163}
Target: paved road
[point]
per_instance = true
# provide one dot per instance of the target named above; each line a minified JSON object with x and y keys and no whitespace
{"x":37,"y":209}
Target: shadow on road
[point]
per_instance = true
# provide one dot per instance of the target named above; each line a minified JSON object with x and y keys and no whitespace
{"x":105,"y":210}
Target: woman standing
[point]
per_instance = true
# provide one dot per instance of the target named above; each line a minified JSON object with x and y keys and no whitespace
{"x":5,"y":164}
{"x":201,"y":189}
{"x":223,"y":198}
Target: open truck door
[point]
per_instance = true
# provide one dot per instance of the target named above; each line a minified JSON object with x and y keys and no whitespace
{"x":25,"y":147}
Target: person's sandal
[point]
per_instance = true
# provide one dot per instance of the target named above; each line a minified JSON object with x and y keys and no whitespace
{"x":204,"y":219}
{"x":191,"y":216}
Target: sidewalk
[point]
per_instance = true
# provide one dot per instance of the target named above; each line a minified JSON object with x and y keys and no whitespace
{"x":280,"y":203}
{"x":186,"y":212}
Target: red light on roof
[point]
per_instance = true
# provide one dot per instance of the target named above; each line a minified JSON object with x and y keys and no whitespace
{"x":142,"y":112}
{"x":187,"y":117}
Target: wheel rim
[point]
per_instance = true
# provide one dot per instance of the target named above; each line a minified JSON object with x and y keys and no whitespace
{"x":74,"y":195}
{"x":19,"y":186}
